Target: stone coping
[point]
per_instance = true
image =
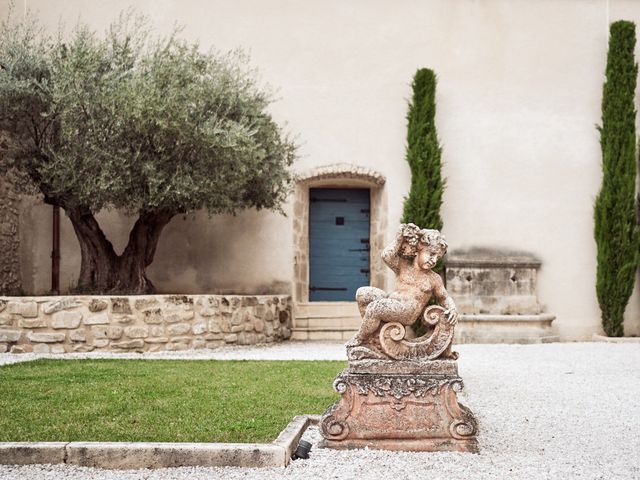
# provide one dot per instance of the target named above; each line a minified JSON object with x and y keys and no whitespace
{"x":486,"y":258}
{"x":139,"y":455}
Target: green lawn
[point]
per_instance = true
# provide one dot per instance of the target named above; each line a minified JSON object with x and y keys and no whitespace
{"x":159,"y":400}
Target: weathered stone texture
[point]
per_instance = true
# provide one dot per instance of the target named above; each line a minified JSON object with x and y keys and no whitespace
{"x":496,"y":293}
{"x":178,"y":328}
{"x":157,"y":340}
{"x":139,"y":343}
{"x":45,"y":337}
{"x":97,"y":305}
{"x":58,"y":305}
{"x":120,"y":305}
{"x":77,"y":336}
{"x":58,"y":348}
{"x":148,"y":323}
{"x":26,"y":309}
{"x":386,"y":405}
{"x":112,"y":332}
{"x":99,"y":319}
{"x":153,"y":316}
{"x":199,"y":328}
{"x":137,"y":331}
{"x":41,"y":348}
{"x":38,"y":322}
{"x":66,"y":320}
{"x":9,"y":335}
{"x":489,"y":282}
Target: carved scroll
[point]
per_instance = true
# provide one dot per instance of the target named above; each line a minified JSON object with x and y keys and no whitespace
{"x":430,"y":346}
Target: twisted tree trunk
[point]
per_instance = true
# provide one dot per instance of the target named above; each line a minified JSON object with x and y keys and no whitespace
{"x":101,"y":269}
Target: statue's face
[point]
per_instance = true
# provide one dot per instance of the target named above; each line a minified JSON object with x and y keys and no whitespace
{"x":428,"y":257}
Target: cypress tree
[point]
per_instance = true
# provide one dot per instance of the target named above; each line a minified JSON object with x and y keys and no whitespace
{"x":616,"y":231}
{"x":422,"y":206}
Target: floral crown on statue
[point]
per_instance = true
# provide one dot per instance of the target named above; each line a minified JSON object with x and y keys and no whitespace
{"x":416,"y":237}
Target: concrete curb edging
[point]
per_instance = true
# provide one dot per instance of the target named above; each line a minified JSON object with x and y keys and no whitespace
{"x":138,"y":455}
{"x":290,"y":436}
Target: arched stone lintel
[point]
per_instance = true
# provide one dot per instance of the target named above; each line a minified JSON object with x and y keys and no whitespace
{"x":341,"y":172}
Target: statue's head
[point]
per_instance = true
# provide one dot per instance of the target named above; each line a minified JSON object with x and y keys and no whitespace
{"x":428,"y":245}
{"x":431,"y":247}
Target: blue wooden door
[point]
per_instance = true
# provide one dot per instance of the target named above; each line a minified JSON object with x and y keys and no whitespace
{"x":338,"y":243}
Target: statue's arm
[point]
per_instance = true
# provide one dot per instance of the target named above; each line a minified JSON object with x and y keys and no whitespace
{"x":445,"y":300}
{"x":391,"y":253}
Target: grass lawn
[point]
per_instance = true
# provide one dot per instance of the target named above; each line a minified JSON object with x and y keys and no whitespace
{"x":159,"y":400}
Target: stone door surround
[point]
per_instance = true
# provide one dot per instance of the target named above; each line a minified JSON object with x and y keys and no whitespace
{"x":340,"y":175}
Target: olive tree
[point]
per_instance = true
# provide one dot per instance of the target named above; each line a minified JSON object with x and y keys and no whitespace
{"x":154,"y":127}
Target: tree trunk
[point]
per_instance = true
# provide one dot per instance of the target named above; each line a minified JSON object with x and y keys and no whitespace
{"x":98,"y":259}
{"x":140,"y":250}
{"x":101,"y":269}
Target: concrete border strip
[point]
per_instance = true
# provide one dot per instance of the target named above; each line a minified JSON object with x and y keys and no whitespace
{"x":290,"y":436}
{"x":138,"y":455}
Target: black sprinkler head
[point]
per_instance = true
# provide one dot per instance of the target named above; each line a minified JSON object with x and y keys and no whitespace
{"x":302,"y":451}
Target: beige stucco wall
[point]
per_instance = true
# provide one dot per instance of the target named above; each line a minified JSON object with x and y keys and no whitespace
{"x":519,"y":93}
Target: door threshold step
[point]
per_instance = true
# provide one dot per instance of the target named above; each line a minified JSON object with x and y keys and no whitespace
{"x":342,"y":334}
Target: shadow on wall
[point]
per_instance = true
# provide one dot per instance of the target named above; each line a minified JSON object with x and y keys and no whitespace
{"x":244,"y":254}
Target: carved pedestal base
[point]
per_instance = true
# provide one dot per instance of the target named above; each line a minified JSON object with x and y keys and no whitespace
{"x":400,"y":405}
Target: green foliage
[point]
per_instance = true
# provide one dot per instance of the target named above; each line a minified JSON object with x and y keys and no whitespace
{"x":155,"y":127}
{"x":616,"y":232}
{"x":137,"y":123}
{"x":159,"y":401}
{"x":423,"y":154}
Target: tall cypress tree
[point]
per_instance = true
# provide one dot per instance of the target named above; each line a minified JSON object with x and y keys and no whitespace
{"x":422,"y":205}
{"x":616,"y":232}
{"x":423,"y":154}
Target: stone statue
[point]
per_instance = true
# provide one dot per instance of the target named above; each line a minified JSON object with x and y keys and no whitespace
{"x":400,"y":392}
{"x":411,"y":256}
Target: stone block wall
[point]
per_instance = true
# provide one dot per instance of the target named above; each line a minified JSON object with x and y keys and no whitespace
{"x":10,"y":281}
{"x":141,"y":323}
{"x":496,"y":293}
{"x":491,"y":282}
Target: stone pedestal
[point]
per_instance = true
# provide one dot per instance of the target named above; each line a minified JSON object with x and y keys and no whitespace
{"x":400,"y":405}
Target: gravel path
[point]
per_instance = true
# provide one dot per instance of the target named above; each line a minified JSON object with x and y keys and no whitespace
{"x":557,"y":411}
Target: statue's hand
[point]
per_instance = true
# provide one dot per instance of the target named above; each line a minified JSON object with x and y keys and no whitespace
{"x":452,"y":315}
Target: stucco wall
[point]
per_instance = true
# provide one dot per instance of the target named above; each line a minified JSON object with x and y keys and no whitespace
{"x":519,"y":94}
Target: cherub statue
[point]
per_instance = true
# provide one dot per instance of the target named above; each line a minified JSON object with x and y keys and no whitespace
{"x":411,"y":256}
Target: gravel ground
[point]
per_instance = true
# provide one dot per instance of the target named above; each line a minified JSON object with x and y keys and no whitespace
{"x":557,"y":411}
